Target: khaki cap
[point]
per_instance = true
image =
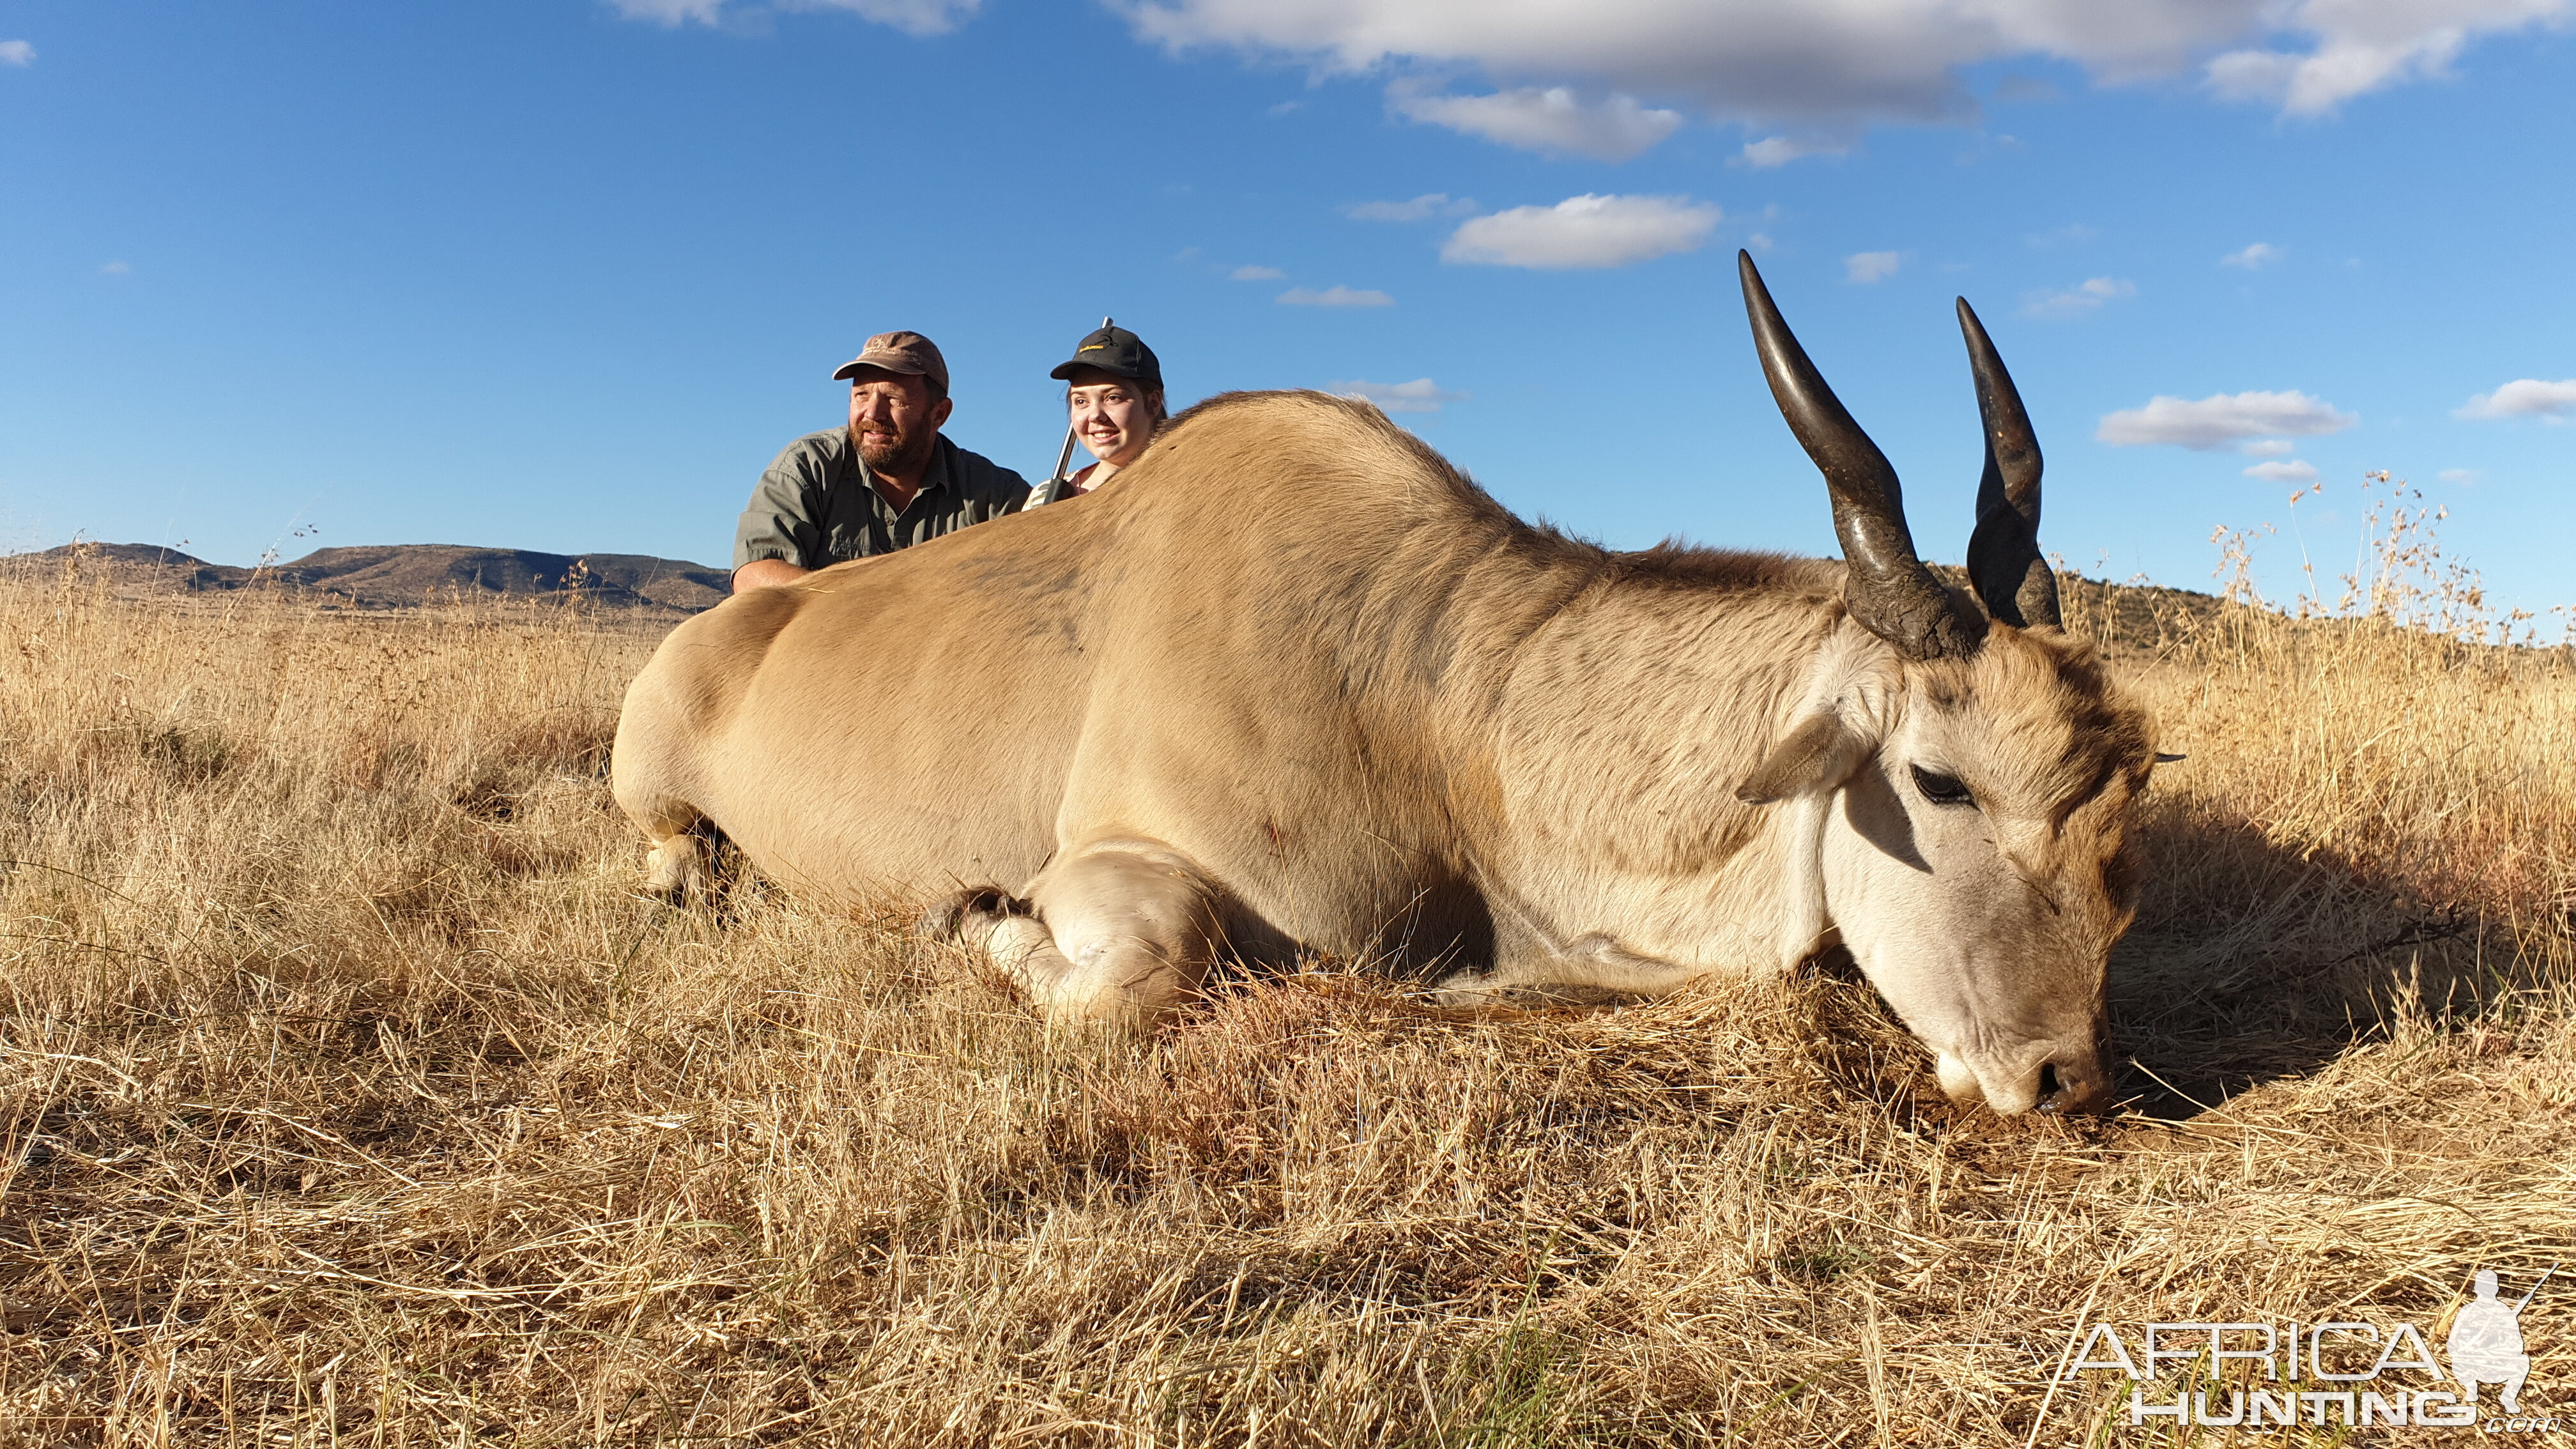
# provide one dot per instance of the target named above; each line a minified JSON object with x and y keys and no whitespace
{"x":908,"y":353}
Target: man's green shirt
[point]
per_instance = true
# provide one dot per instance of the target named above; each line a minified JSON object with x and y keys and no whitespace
{"x":818,"y":505}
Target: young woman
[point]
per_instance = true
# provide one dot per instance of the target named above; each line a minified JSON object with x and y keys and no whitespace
{"x":1114,"y":400}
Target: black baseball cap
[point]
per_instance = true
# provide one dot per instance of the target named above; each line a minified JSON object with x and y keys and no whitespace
{"x":1114,"y":350}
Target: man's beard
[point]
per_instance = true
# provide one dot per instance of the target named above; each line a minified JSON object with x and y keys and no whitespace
{"x":908,"y":454}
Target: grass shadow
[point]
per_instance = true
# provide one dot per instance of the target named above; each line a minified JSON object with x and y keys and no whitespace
{"x":2253,"y":962}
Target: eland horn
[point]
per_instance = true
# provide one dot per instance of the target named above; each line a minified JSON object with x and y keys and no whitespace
{"x":1887,"y":588}
{"x":2004,"y":563}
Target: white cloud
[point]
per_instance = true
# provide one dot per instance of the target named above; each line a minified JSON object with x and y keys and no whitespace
{"x":1867,"y":267}
{"x":2215,"y":422}
{"x":1551,"y":122}
{"x":2293,"y":471}
{"x":1769,"y":64}
{"x":2079,"y":299}
{"x":1773,"y":151}
{"x":1421,"y":395}
{"x":2462,"y":476}
{"x":17,"y":52}
{"x":115,"y":269}
{"x":2524,"y":397}
{"x":2364,"y":47}
{"x":1583,"y":232}
{"x":1256,"y":274}
{"x":913,"y":17}
{"x":671,"y":12}
{"x":1334,"y":296}
{"x":1421,"y":208}
{"x":2260,"y":254}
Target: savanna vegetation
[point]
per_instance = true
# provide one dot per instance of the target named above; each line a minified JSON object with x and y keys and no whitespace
{"x":349,"y":1094}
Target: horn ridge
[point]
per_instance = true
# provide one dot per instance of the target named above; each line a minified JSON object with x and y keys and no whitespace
{"x":1886,"y":587}
{"x":2011,"y":576}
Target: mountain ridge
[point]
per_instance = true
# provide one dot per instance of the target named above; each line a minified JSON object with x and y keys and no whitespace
{"x":405,"y":575}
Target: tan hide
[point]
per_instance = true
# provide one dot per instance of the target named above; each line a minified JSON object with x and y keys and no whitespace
{"x":1292,"y":682}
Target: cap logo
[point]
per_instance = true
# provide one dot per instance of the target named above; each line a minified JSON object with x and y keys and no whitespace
{"x":1094,"y":347}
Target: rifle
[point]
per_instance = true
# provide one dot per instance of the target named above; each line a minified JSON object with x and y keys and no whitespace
{"x":2535,"y":1288}
{"x":1064,"y":456}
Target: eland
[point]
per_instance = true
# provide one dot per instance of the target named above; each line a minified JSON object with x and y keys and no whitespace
{"x":1295,"y":684}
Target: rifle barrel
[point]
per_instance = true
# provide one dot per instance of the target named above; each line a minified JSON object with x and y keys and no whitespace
{"x":2535,"y":1289}
{"x":1063,"y":457}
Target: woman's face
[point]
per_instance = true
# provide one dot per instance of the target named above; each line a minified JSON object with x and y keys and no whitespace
{"x":1114,"y":416}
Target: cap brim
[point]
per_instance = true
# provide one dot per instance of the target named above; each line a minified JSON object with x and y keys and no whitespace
{"x":1064,"y":372}
{"x":904,"y":366}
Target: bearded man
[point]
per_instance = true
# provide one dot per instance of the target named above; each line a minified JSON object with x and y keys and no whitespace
{"x":887,"y":481}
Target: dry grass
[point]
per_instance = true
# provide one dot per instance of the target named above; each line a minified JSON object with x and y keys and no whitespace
{"x":348,"y":1096}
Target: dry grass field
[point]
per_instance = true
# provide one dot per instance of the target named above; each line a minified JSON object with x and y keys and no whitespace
{"x":348,"y":1095}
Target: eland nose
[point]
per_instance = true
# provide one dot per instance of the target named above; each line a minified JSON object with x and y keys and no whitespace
{"x":2074,"y":1086}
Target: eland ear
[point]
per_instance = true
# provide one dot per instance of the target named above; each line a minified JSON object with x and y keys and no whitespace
{"x":1818,"y":755}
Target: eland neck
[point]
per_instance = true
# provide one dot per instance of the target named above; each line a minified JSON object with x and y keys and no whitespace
{"x":1617,"y":744}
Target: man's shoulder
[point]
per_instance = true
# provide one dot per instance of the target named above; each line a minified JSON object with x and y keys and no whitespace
{"x":824,"y":446}
{"x":978,"y":474}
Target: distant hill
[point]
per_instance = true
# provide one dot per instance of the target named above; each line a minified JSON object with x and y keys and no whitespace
{"x":392,"y":576}
{"x":407,"y":573}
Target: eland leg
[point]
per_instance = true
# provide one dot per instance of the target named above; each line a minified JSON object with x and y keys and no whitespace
{"x":677,"y":863}
{"x":647,"y":781}
{"x":676,"y":867}
{"x":1590,"y":971}
{"x":1115,"y":933}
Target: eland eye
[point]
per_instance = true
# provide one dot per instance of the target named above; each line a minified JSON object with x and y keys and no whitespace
{"x":1942,"y":789}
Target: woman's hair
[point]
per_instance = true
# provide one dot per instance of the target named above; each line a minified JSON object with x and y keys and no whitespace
{"x":1153,"y":395}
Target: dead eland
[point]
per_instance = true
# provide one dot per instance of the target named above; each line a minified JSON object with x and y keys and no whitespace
{"x":1297,"y":684}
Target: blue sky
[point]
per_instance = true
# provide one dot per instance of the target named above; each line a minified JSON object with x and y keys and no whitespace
{"x":564,"y":274}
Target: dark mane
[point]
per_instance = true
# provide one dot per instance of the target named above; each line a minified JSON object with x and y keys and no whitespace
{"x":1672,"y":564}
